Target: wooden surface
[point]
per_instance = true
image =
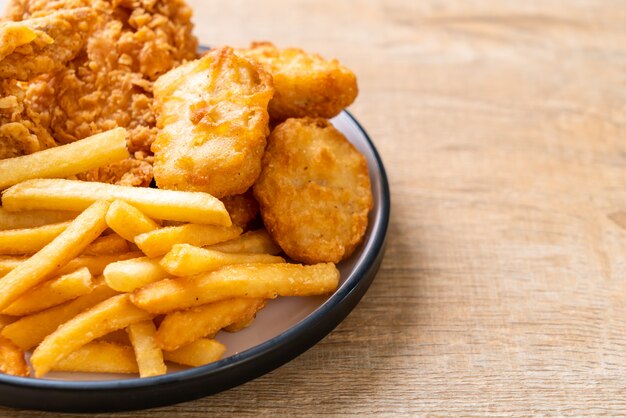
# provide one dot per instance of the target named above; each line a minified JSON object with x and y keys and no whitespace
{"x":503,"y":128}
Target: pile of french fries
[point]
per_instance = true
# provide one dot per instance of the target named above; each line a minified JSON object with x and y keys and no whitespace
{"x":112,"y":279}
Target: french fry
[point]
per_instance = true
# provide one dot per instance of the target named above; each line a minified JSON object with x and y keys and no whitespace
{"x":128,"y":221}
{"x":252,"y":242}
{"x":244,"y":322}
{"x":196,"y":354}
{"x":183,"y":327}
{"x":99,"y":357}
{"x":66,"y":160}
{"x":29,"y":331}
{"x":12,"y":359}
{"x":112,"y":314}
{"x":149,"y":356}
{"x":29,"y":240}
{"x":107,"y":244}
{"x":237,"y":281}
{"x":59,"y":194}
{"x":128,"y":275}
{"x":160,"y":241}
{"x":187,"y":260}
{"x":32,"y":218}
{"x":51,"y":293}
{"x":6,"y":320}
{"x":95,"y":264}
{"x":82,"y":231}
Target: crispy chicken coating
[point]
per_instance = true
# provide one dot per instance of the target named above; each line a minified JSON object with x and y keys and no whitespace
{"x":306,"y":84}
{"x":110,"y":83}
{"x":314,"y":191}
{"x":28,"y":49}
{"x":242,"y":208}
{"x":213,"y":120}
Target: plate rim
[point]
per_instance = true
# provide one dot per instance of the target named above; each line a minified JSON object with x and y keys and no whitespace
{"x":352,"y":290}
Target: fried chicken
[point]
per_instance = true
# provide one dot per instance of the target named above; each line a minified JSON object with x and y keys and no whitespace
{"x":109,"y":83}
{"x":213,"y":120}
{"x":314,"y":191}
{"x":28,"y":49}
{"x":306,"y":84}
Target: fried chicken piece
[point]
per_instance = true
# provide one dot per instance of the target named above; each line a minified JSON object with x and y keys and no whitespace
{"x":110,"y":83}
{"x":242,"y":208}
{"x":28,"y":49}
{"x":213,"y":120}
{"x":306,"y":84}
{"x":43,"y":45}
{"x":314,"y":191}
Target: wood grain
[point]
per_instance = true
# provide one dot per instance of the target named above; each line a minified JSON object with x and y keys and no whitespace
{"x":503,"y":128}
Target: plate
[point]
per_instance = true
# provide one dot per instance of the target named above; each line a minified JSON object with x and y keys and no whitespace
{"x":286,"y":328}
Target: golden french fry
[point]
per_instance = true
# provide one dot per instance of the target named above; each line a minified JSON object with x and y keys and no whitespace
{"x":183,"y":327}
{"x":245,"y":321}
{"x":160,"y":241}
{"x":8,"y":263}
{"x":237,"y":281}
{"x":81,"y":231}
{"x":107,"y":244}
{"x":66,"y":160}
{"x":196,"y":354}
{"x":32,"y":218}
{"x":30,"y":330}
{"x":58,"y":194}
{"x":29,"y":240}
{"x":128,"y":275}
{"x":187,"y":260}
{"x":99,"y":357}
{"x":128,"y":221}
{"x":112,"y":314}
{"x":95,"y":264}
{"x":12,"y":360}
{"x":6,"y":320}
{"x":252,"y":242}
{"x":149,"y":356}
{"x":51,"y":293}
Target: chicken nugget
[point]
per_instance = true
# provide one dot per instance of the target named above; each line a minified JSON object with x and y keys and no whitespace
{"x":306,"y":84}
{"x":213,"y":124}
{"x":314,"y":191}
{"x":242,"y":208}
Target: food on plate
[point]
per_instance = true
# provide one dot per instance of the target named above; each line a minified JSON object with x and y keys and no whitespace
{"x":213,"y":123}
{"x":52,"y":292}
{"x":183,"y":327}
{"x":149,"y":356}
{"x":160,"y":241}
{"x":187,"y":260}
{"x":66,"y":160}
{"x":29,"y":49}
{"x":237,"y":281}
{"x":110,"y":83}
{"x":314,"y":191}
{"x":114,"y":313}
{"x":113,"y":278}
{"x":128,"y":275}
{"x":76,"y":195}
{"x":306,"y":84}
{"x":83,"y":230}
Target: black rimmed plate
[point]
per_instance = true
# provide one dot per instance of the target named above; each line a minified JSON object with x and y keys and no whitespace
{"x":283,"y":330}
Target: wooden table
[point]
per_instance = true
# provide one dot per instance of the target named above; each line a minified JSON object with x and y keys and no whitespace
{"x":503,"y":128}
